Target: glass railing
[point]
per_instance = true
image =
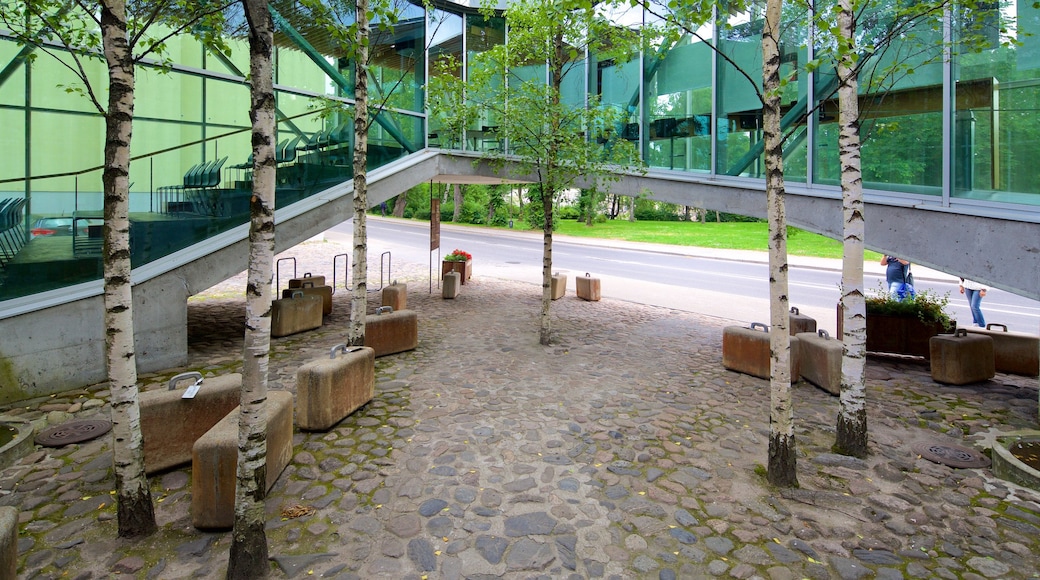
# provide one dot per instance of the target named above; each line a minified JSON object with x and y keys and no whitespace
{"x":51,"y":231}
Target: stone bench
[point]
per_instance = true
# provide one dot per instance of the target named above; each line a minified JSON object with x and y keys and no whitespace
{"x":819,"y":358}
{"x":214,"y":462}
{"x":390,"y":332}
{"x":961,"y":358}
{"x":1017,"y":353}
{"x":395,"y":296}
{"x":450,"y":285}
{"x":558,"y":286}
{"x":297,"y":313}
{"x":800,"y":322}
{"x":8,"y":542}
{"x":746,"y":350}
{"x":587,"y":287}
{"x":329,"y":389}
{"x":309,"y":289}
{"x":170,"y":423}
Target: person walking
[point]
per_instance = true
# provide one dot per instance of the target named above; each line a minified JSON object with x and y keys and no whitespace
{"x":897,"y":275}
{"x":974,"y":292}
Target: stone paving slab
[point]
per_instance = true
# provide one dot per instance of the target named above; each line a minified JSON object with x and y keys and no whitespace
{"x":623,"y":450}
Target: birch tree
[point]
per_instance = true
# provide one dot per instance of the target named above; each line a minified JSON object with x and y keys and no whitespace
{"x":349,"y":25}
{"x":134,"y":504}
{"x":554,"y":140}
{"x":68,"y":32}
{"x":782,"y":465}
{"x":248,"y":556}
{"x":852,"y":413}
{"x":359,"y":297}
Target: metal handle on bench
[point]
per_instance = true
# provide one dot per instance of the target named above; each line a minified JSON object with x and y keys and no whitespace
{"x":764,"y":327}
{"x":387,"y":309}
{"x":344,"y":348}
{"x":822,"y":333}
{"x":296,"y":294}
{"x":961,"y":332}
{"x":794,"y":310}
{"x":992,"y":325}
{"x":192,"y":390}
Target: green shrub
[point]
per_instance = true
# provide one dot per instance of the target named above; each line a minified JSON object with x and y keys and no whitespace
{"x":927,"y":306}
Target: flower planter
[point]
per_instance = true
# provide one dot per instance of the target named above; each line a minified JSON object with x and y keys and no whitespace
{"x":907,"y":335}
{"x":465,"y":269}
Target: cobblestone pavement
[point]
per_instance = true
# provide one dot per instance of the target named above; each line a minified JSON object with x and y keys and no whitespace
{"x":624,"y":450}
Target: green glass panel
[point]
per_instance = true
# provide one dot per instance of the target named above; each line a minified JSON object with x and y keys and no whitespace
{"x":996,"y":128}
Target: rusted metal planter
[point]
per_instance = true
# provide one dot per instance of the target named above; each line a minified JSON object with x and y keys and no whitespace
{"x":906,"y":335}
{"x":465,"y":269}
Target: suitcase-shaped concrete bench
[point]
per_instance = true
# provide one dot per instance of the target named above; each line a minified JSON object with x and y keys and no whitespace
{"x":297,"y":313}
{"x":587,"y":287}
{"x":214,"y":462}
{"x":389,"y":332}
{"x":800,"y":322}
{"x":329,"y":389}
{"x":395,"y":296}
{"x":308,"y":288}
{"x":961,"y":358}
{"x":171,"y":422}
{"x":1017,"y":353}
{"x":450,"y":285}
{"x":746,"y":350}
{"x":307,"y":280}
{"x":819,"y":358}
{"x":558,"y":286}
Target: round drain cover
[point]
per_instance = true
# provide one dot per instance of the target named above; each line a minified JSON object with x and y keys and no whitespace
{"x":952,"y":455}
{"x":73,"y":432}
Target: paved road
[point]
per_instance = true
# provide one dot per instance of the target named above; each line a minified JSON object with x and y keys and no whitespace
{"x":724,"y":283}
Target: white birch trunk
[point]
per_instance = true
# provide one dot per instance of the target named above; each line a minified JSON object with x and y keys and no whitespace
{"x":248,"y":557}
{"x":545,"y":331}
{"x":359,"y":298}
{"x":134,"y":500}
{"x":852,"y":414}
{"x":782,"y":459}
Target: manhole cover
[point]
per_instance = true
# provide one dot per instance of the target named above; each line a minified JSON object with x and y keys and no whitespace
{"x":73,"y":432}
{"x":952,"y":455}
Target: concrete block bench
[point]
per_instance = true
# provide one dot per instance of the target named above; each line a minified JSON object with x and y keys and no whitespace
{"x":746,"y":350}
{"x":587,"y":287}
{"x":214,"y":462}
{"x":558,"y":286}
{"x":297,"y":313}
{"x":820,"y":360}
{"x":8,"y":542}
{"x":450,"y":286}
{"x":170,"y":423}
{"x":961,"y":358}
{"x":800,"y":322}
{"x":1017,"y":353}
{"x":329,"y":389}
{"x":309,"y":289}
{"x":390,"y":332}
{"x":395,"y":296}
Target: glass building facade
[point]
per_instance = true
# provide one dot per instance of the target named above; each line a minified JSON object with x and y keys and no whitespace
{"x":954,"y":127}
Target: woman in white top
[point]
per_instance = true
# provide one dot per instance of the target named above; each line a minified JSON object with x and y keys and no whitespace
{"x":974,"y":292}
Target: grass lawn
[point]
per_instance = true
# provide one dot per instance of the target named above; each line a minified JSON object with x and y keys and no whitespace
{"x":728,"y":235}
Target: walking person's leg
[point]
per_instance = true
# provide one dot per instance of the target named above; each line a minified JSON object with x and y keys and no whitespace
{"x":975,"y":302}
